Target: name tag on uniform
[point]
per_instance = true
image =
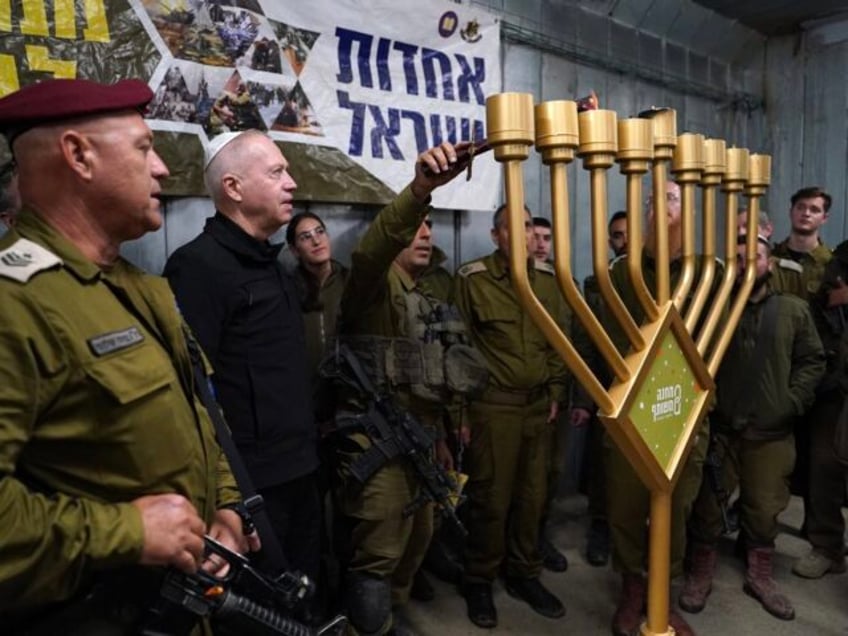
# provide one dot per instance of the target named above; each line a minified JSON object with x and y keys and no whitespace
{"x":115,"y":341}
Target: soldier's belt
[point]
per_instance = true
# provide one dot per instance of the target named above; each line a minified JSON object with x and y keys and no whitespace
{"x":513,"y":398}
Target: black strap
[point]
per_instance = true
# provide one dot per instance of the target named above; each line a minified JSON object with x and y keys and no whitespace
{"x":271,"y":557}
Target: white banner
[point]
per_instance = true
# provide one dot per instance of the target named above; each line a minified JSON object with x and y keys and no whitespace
{"x":379,"y":80}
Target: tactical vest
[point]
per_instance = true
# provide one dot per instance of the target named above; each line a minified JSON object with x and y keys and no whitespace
{"x":433,"y":361}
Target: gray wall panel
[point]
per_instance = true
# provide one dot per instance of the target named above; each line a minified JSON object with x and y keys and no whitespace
{"x":148,"y":252}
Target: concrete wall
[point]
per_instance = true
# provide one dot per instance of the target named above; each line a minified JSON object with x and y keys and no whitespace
{"x":634,"y":54}
{"x":806,"y":124}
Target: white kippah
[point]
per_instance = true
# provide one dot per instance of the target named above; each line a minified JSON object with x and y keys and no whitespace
{"x":217,"y":144}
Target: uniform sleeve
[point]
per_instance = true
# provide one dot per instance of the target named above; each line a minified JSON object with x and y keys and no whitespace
{"x":391,"y":232}
{"x":228,"y":492}
{"x":461,"y":297}
{"x":808,"y":361}
{"x":48,"y":540}
{"x":201,"y":299}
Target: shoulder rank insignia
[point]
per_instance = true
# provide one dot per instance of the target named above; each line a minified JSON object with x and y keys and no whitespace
{"x":474,"y":267}
{"x":788,"y":263}
{"x":544,"y":266}
{"x":24,"y":259}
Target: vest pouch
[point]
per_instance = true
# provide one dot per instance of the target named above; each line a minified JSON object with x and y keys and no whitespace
{"x":466,"y":372}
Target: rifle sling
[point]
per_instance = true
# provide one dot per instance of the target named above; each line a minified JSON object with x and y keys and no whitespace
{"x":271,"y":556}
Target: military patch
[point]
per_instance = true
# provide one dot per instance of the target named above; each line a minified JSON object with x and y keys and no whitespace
{"x":114,"y":341}
{"x":544,"y":266}
{"x":23,"y":259}
{"x":788,"y":263}
{"x":471,"y":268}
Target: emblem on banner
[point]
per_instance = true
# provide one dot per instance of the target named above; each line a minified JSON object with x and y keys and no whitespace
{"x":471,"y":32}
{"x":448,"y":23}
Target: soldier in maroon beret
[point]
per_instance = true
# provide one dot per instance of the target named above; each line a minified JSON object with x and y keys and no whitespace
{"x":109,"y":465}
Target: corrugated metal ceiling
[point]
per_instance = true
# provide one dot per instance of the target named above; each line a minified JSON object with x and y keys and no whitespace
{"x":779,"y":17}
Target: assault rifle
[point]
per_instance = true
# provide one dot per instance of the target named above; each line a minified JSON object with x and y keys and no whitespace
{"x":394,"y":433}
{"x":243,"y":601}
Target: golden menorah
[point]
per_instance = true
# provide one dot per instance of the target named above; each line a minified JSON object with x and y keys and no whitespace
{"x":677,"y":327}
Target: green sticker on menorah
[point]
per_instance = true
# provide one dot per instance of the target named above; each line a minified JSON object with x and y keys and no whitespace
{"x":665,"y":401}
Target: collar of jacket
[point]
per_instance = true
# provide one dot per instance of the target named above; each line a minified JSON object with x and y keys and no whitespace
{"x":650,"y":263}
{"x":233,"y":237}
{"x":500,"y":265}
{"x":336,"y":270}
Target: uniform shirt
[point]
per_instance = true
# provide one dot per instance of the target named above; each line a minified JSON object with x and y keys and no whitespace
{"x":766,"y":395}
{"x":244,"y":309}
{"x":320,"y":310}
{"x":517,"y":353}
{"x":320,"y":319}
{"x":831,"y":322}
{"x":799,"y":273}
{"x":96,"y":409}
{"x":374,"y":300}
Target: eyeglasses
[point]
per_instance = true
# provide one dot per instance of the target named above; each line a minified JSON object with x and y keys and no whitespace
{"x":670,"y":197}
{"x":317,"y":232}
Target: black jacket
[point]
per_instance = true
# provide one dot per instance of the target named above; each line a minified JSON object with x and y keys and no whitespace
{"x":244,"y":310}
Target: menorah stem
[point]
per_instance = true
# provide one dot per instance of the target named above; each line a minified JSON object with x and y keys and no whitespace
{"x":687,"y":274}
{"x":708,"y":267}
{"x":599,"y":249}
{"x":634,"y":247}
{"x":658,"y":173}
{"x":659,"y":564}
{"x":514,"y":186}
{"x":562,"y":265}
{"x":744,"y":290}
{"x":711,"y":323}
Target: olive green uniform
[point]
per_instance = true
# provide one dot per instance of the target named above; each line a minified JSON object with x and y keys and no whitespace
{"x":320,"y":322}
{"x":799,"y":274}
{"x":98,"y":409}
{"x":628,"y":504}
{"x":508,"y":458}
{"x":320,"y":310}
{"x":825,"y":523}
{"x":758,"y":401}
{"x":385,"y":544}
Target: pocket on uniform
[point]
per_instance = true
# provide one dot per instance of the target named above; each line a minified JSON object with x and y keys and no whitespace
{"x":130,"y":375}
{"x":497,"y":313}
{"x":498,"y":324}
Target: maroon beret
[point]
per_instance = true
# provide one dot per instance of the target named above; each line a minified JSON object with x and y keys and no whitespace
{"x":57,"y":99}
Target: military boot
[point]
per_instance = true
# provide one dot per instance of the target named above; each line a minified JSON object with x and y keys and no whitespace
{"x":679,"y":624}
{"x":760,"y":583}
{"x":699,"y":577}
{"x":631,"y":605}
